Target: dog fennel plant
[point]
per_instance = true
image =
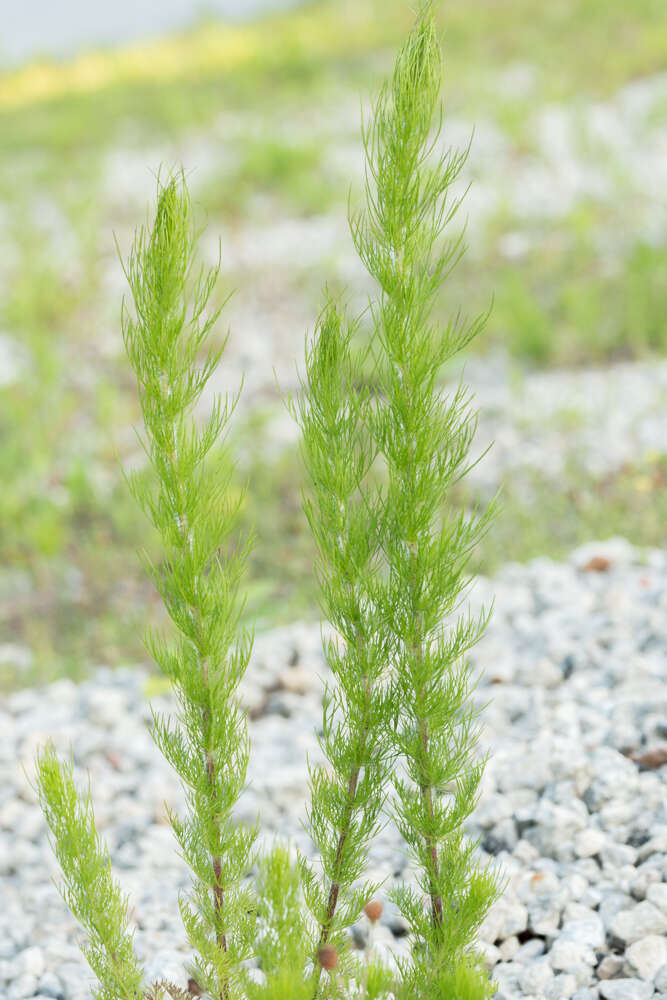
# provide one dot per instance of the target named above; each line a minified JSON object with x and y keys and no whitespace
{"x":399,"y":733}
{"x":393,"y":559}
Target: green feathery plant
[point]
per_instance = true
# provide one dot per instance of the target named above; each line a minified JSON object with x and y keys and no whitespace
{"x":92,"y":895}
{"x":424,"y":438}
{"x":195,"y":513}
{"x":392,"y":560}
{"x":399,"y":729}
{"x":347,"y":797}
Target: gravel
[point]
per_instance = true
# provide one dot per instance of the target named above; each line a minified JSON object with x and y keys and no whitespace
{"x":550,"y":418}
{"x":573,"y":805}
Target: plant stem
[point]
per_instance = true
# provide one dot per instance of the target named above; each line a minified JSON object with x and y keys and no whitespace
{"x":335,"y":885}
{"x":345,"y":825}
{"x":334,"y":889}
{"x":427,"y":798}
{"x":425,"y":787}
{"x":187,"y":501}
{"x":195,"y":612}
{"x":343,"y":515}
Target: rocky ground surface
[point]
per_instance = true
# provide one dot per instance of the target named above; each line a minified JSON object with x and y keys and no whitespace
{"x":574,"y":804}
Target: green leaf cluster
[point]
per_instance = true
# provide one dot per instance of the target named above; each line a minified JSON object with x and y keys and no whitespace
{"x":188,"y":501}
{"x":348,"y":795}
{"x":282,"y":930}
{"x":424,"y":438}
{"x":399,"y":729}
{"x":88,"y":888}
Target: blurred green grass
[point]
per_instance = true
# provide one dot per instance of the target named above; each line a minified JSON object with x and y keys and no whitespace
{"x":71,"y":589}
{"x":289,"y":170}
{"x":581,"y":47}
{"x":88,"y":602}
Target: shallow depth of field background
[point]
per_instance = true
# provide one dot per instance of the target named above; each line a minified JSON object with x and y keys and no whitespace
{"x":567,"y":218}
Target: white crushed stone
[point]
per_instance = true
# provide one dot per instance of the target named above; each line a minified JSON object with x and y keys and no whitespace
{"x":574,"y":665}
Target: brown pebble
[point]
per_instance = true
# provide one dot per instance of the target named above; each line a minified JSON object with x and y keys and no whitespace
{"x":651,"y":759}
{"x":597,"y":564}
{"x":328,"y":957}
{"x":373,"y":910}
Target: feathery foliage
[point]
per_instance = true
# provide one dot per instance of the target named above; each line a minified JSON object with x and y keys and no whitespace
{"x":424,"y":438}
{"x":89,"y":890}
{"x":398,"y":720}
{"x":346,"y":798}
{"x":282,"y":938}
{"x":188,"y":501}
{"x":394,"y":564}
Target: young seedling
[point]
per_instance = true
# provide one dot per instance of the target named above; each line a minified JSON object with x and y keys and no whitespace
{"x":190,"y":503}
{"x":381,"y":454}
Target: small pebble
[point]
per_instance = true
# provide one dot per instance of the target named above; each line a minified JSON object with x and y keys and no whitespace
{"x":645,"y":957}
{"x":626,"y":989}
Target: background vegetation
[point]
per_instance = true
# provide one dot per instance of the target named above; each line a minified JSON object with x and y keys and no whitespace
{"x":567,"y":224}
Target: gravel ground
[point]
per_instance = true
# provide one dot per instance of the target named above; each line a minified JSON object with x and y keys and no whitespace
{"x":573,"y":806}
{"x":602,"y":418}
